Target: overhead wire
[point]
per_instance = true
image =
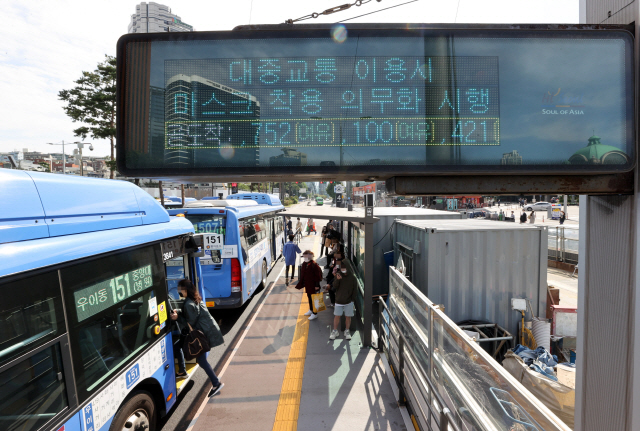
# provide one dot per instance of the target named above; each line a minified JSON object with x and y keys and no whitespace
{"x":379,"y":10}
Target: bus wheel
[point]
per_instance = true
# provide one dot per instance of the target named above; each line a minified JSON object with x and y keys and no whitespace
{"x":264,"y":273}
{"x":137,"y":414}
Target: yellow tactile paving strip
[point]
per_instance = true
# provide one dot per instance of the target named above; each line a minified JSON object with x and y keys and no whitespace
{"x":289,"y":404}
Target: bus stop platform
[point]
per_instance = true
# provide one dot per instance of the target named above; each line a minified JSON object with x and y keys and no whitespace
{"x":286,"y":374}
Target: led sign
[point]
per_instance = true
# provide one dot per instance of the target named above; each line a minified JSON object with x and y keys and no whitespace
{"x":290,"y":102}
{"x":91,"y":300}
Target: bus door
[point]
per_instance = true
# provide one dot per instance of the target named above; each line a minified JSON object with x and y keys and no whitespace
{"x":272,"y":238}
{"x":185,"y":265}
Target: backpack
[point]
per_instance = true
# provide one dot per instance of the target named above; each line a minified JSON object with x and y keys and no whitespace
{"x":195,"y":343}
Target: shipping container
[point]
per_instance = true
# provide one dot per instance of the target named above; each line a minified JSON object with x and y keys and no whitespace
{"x":474,"y":267}
{"x":383,"y":237}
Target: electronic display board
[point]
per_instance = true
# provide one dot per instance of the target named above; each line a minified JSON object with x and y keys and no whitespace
{"x":98,"y":297}
{"x":353,"y":101}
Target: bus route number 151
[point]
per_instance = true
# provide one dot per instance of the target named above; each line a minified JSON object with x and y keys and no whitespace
{"x":213,"y":241}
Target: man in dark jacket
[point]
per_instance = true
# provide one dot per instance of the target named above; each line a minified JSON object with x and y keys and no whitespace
{"x":346,"y":290}
{"x":310,"y":277}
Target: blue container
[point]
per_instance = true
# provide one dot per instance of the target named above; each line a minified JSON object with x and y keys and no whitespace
{"x":572,"y":356}
{"x":388,"y":258}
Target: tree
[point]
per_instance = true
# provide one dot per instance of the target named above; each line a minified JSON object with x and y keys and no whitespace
{"x":330,"y":191}
{"x":46,"y":166}
{"x":93,"y":102}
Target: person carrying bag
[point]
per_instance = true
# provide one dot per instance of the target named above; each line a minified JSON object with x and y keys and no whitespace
{"x":201,"y":332}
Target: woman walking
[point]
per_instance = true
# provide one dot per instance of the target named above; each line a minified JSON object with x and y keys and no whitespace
{"x":310,"y":277}
{"x":195,"y":313}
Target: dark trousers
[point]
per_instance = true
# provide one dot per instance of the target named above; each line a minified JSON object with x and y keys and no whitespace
{"x":204,"y":364}
{"x":177,"y":352}
{"x":322,"y":248}
{"x":293,"y":271}
{"x":310,"y":303}
{"x":332,"y":297}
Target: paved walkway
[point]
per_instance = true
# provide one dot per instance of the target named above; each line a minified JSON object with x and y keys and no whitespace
{"x":286,"y":374}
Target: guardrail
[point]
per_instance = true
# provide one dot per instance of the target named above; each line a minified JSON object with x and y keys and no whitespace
{"x":563,"y":244}
{"x":448,"y":381}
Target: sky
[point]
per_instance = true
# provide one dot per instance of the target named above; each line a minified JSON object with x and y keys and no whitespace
{"x":47,"y":45}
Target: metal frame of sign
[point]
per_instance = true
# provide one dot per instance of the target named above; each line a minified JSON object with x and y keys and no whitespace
{"x":484,"y":179}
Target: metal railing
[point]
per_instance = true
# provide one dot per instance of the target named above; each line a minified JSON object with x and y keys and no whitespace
{"x":563,"y":244}
{"x":447,"y":380}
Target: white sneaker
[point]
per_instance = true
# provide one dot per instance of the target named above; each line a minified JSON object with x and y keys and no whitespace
{"x":313,"y":317}
{"x":308,"y":313}
{"x":334,"y":334}
{"x":347,"y":334}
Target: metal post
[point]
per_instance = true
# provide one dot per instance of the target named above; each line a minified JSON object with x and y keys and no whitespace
{"x":380,"y":321}
{"x":401,"y":397}
{"x":182,"y":193}
{"x":368,"y":283}
{"x":64,"y":160}
{"x":161,"y":193}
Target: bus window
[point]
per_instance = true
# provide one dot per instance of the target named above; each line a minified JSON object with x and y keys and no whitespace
{"x":108,"y":312}
{"x":208,"y":223}
{"x":255,"y":230}
{"x":33,"y":391}
{"x":30,"y":314}
{"x":177,"y":269}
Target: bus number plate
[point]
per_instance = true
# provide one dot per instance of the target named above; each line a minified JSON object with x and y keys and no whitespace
{"x":213,"y":241}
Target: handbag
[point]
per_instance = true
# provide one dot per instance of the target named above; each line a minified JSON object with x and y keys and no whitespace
{"x":195,"y":343}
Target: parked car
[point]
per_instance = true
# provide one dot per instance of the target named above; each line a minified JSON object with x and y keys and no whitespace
{"x":554,"y":200}
{"x":538,"y":206}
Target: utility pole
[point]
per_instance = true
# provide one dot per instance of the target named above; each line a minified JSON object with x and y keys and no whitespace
{"x":161,"y":193}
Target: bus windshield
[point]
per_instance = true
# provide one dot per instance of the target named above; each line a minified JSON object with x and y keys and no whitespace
{"x":208,"y":223}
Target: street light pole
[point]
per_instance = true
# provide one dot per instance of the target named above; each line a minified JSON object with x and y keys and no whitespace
{"x":64,"y":158}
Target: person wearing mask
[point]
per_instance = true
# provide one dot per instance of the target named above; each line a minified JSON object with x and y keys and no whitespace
{"x":290,"y":252}
{"x":195,"y":313}
{"x":310,"y":277}
{"x":345,"y":288}
{"x":336,"y":264}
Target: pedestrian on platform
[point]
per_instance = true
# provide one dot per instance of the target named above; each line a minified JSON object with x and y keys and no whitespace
{"x":323,"y":234}
{"x":563,"y":217}
{"x":334,"y":268}
{"x":310,"y":277}
{"x":523,"y":217}
{"x":195,"y":313}
{"x":291,"y":252}
{"x":532,"y":217}
{"x":311,"y":227}
{"x":513,"y":215}
{"x":298,"y":232}
{"x":289,"y":224}
{"x":345,"y":288}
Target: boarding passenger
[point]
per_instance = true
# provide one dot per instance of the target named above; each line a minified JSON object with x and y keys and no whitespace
{"x":345,"y":288}
{"x":309,"y":279}
{"x":195,"y":313}
{"x":290,"y":251}
{"x":323,"y":247}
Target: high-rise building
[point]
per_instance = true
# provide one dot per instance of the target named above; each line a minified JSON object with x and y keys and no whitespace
{"x":512,"y":158}
{"x":155,"y":18}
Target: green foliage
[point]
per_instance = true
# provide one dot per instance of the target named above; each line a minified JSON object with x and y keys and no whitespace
{"x":287,"y":202}
{"x":330,"y":190}
{"x":111,"y":164}
{"x":93,"y":102}
{"x":244,"y":187}
{"x":46,"y":166}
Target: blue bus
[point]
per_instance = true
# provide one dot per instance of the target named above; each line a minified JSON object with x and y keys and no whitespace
{"x":85,"y":340}
{"x":248,"y":235}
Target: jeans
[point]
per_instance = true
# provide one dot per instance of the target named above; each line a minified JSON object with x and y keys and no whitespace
{"x":293,"y":271}
{"x":204,"y":364}
{"x":177,"y":353}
